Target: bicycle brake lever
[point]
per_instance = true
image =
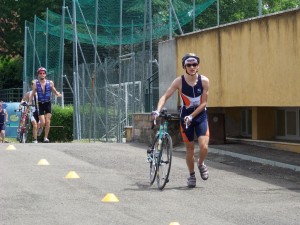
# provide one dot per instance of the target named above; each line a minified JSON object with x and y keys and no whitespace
{"x":153,"y":124}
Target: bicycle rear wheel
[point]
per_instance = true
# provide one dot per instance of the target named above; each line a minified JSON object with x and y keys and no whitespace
{"x":164,"y":162}
{"x":22,"y":137}
{"x":153,"y":161}
{"x":25,"y":137}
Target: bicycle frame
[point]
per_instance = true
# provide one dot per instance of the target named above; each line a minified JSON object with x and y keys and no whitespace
{"x":160,"y":154}
{"x":163,"y":130}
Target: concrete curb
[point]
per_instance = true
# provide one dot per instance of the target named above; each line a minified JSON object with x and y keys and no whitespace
{"x":255,"y":159}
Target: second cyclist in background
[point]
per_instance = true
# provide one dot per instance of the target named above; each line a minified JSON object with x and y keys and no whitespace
{"x":34,"y":115}
{"x":193,"y":90}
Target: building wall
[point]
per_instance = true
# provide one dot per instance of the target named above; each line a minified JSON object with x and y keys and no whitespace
{"x":263,"y":123}
{"x":232,"y":121}
{"x":250,"y":63}
{"x":167,"y":71}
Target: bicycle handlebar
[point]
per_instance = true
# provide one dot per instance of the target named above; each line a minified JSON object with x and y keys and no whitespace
{"x":163,"y":114}
{"x":26,"y":104}
{"x":23,"y":104}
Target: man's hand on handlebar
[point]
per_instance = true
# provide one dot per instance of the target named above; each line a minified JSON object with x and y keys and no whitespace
{"x":23,"y":103}
{"x":154,"y":114}
{"x":188,"y":120}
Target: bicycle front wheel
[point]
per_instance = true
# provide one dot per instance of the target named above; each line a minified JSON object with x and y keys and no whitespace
{"x":165,"y":161}
{"x":152,"y":161}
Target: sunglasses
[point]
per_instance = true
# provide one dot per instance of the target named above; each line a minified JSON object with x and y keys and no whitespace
{"x":189,"y":65}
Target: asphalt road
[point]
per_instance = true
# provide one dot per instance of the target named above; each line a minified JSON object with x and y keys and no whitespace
{"x":237,"y":192}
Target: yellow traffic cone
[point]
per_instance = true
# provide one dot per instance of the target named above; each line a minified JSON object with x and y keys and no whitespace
{"x":110,"y":197}
{"x":10,"y":148}
{"x":43,"y":162}
{"x":72,"y":175}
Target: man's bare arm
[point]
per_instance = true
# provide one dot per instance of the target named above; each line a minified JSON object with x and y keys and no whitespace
{"x":26,"y":97}
{"x":32,"y":93}
{"x":54,"y":89}
{"x":6,"y":115}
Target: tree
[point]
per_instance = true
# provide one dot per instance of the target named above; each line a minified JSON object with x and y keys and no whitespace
{"x":10,"y":70}
{"x":236,"y":10}
{"x":13,"y":15}
{"x":276,"y":6}
{"x":12,"y":20}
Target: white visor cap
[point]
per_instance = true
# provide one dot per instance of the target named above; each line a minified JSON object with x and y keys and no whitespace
{"x":190,"y":60}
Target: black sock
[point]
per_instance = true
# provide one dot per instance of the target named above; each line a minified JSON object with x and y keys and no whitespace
{"x":192,"y":174}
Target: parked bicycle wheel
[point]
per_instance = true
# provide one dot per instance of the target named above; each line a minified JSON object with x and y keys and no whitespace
{"x":164,"y":162}
{"x":23,"y":137}
{"x":152,"y":160}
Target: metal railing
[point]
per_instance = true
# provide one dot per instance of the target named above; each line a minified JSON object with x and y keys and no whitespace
{"x":11,"y":95}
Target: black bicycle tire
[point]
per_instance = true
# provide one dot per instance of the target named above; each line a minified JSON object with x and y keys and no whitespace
{"x":153,"y":167}
{"x":167,"y":140}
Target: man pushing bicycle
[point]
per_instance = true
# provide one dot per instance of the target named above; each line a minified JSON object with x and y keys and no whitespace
{"x":193,"y":90}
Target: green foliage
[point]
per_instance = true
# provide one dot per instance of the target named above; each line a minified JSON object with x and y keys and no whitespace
{"x":10,"y":72}
{"x":276,"y":6}
{"x":61,"y":124}
{"x":15,"y":13}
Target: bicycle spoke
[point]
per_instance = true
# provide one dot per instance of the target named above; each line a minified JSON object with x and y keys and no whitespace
{"x":164,"y":162}
{"x":152,"y":162}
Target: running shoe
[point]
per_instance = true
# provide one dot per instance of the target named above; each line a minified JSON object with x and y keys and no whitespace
{"x":35,"y":142}
{"x":46,"y":140}
{"x":203,"y":171}
{"x":191,"y":182}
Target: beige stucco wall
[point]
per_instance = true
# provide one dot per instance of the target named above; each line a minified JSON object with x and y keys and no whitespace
{"x":263,"y":123}
{"x":251,"y":63}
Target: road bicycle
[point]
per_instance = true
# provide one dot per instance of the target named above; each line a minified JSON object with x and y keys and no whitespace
{"x":159,"y":155}
{"x":24,"y":123}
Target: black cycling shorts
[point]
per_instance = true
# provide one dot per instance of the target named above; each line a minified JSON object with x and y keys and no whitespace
{"x":45,"y":108}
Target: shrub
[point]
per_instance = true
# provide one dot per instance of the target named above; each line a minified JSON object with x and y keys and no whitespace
{"x":61,"y":124}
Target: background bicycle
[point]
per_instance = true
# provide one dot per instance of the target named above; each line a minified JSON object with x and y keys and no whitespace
{"x":24,"y":123}
{"x":159,"y":155}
